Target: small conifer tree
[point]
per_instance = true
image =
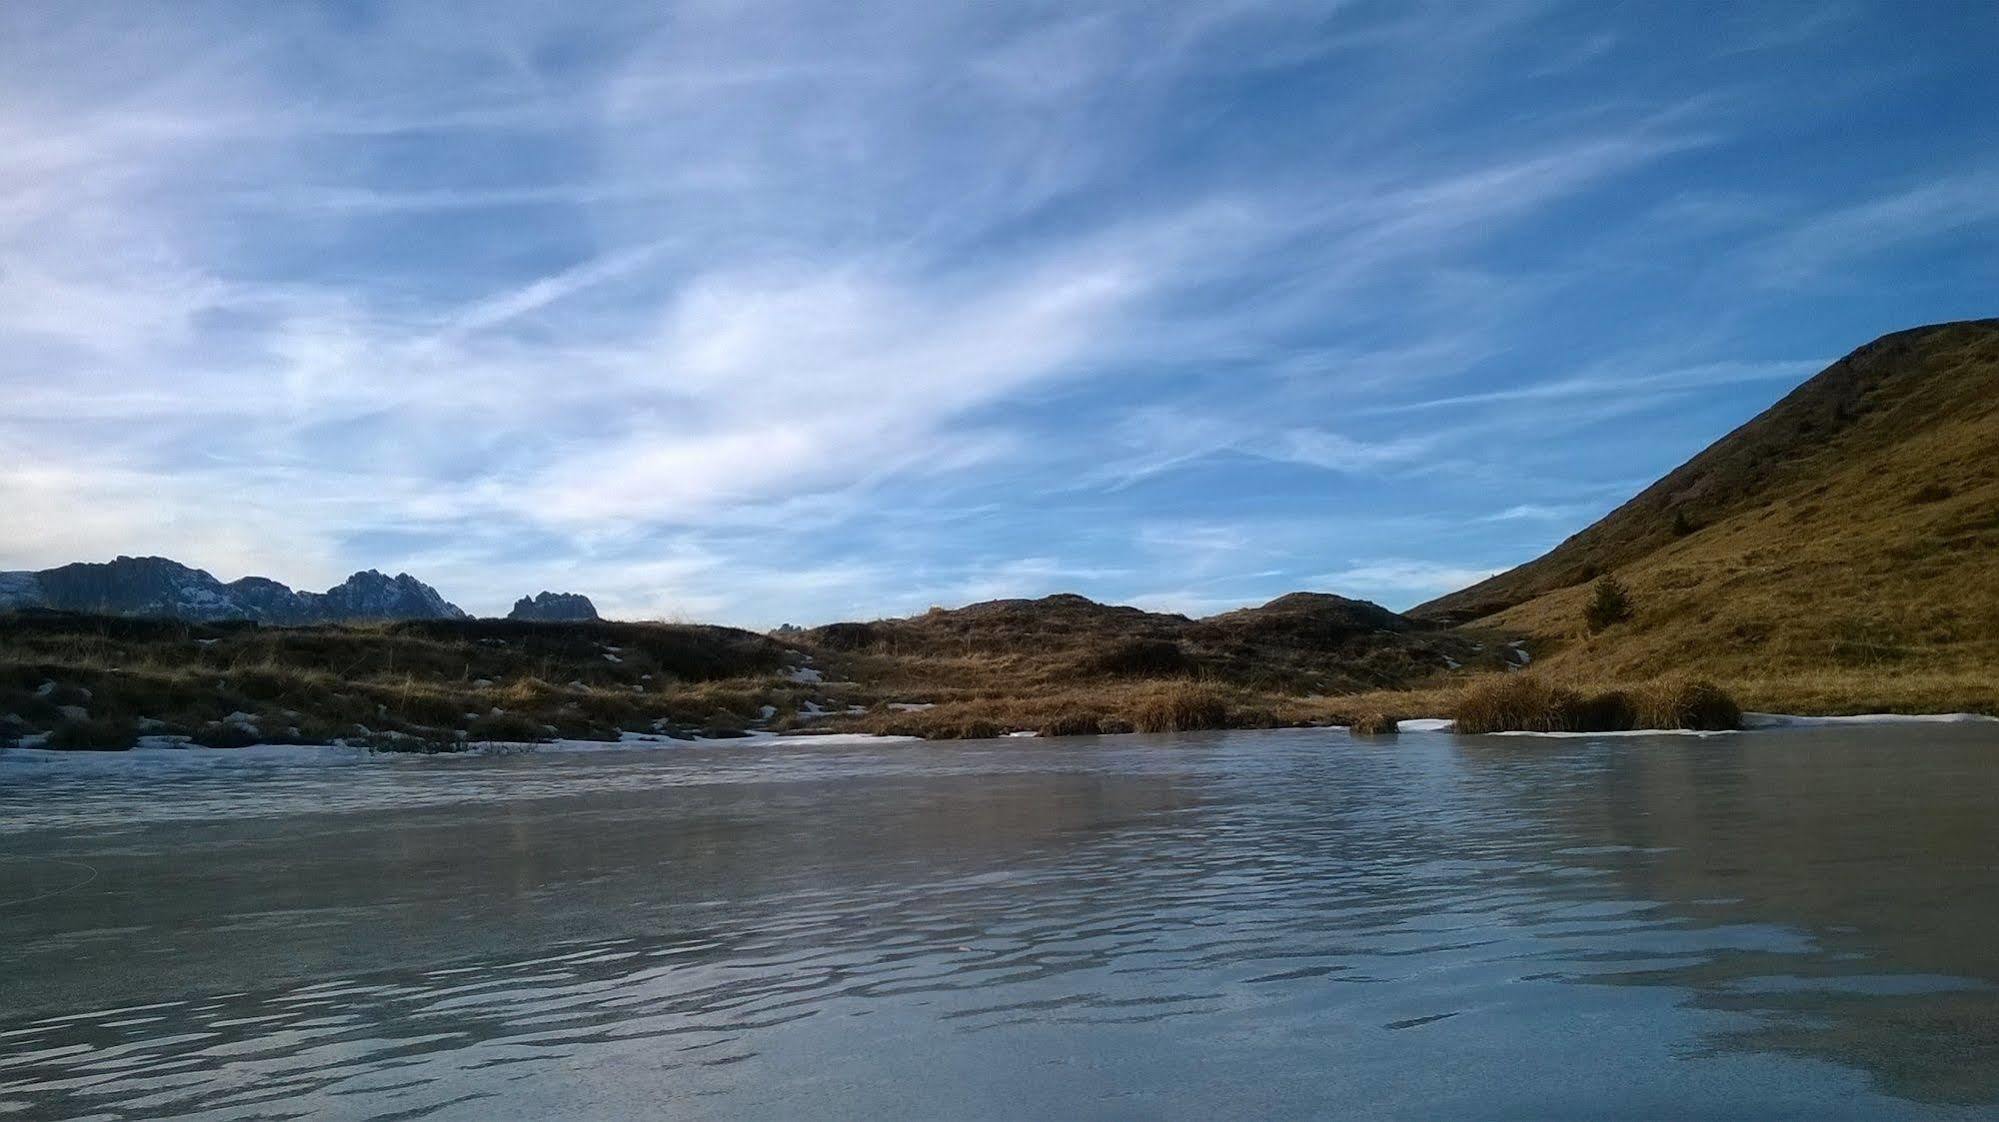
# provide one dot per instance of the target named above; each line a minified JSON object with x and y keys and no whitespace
{"x":1609,"y":604}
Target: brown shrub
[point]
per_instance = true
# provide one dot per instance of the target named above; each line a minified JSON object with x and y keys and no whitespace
{"x":1072,"y":722}
{"x":1609,"y":711}
{"x":1373,"y":724}
{"x":1182,"y":708}
{"x":1518,"y":703}
{"x":1687,"y":703}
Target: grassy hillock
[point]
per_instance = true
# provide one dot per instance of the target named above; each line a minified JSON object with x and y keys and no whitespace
{"x":1840,"y":552}
{"x":1065,"y":664}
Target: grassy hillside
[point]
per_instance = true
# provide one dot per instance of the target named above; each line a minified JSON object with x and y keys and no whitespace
{"x":1838,"y":552}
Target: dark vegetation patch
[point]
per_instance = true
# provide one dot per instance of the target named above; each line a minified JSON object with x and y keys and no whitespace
{"x":92,"y":736}
{"x":1532,"y":703}
{"x":1139,"y":658}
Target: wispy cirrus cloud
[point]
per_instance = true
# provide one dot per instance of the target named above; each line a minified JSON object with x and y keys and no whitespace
{"x":784,"y":309}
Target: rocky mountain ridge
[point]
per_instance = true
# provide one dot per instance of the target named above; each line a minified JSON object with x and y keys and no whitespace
{"x":157,"y":586}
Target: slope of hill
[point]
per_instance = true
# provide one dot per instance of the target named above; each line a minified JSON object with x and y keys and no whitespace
{"x":1839,"y":551}
{"x":156,"y":586}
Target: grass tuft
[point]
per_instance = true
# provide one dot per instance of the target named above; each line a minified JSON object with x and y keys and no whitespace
{"x":1683,"y":703}
{"x":1182,"y":708}
{"x":1518,"y":703}
{"x":1374,"y":724}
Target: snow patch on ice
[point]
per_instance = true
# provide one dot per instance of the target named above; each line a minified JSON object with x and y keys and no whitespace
{"x":1787,"y":721}
{"x":1425,"y":724}
{"x":1620,"y":732}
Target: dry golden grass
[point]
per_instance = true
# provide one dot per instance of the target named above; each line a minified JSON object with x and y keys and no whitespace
{"x":1373,"y":724}
{"x":1536,"y":703}
{"x":1518,"y":703}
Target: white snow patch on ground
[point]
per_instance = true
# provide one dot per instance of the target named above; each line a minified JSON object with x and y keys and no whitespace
{"x":806,"y":675}
{"x":911,"y":706}
{"x":758,"y":739}
{"x":1425,"y":724}
{"x":1786,"y":721}
{"x":1620,"y":732}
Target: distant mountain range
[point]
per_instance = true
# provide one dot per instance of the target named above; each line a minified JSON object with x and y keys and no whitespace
{"x":156,"y":586}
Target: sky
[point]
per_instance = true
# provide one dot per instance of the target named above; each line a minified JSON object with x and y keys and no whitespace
{"x":767,"y":311}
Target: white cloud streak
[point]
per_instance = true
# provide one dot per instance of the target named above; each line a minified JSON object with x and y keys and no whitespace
{"x":656,"y":290}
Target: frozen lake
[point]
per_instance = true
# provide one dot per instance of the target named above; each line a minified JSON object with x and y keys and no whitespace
{"x":1791,"y":923}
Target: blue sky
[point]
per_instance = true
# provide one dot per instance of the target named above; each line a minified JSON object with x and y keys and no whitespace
{"x":778,"y":311}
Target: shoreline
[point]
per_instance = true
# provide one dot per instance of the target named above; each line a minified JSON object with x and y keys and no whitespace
{"x":174,"y":747}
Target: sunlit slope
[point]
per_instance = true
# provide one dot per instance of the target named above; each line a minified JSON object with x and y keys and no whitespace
{"x":1841,"y":550}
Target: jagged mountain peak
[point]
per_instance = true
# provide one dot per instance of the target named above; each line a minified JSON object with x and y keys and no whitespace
{"x":552,"y":606}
